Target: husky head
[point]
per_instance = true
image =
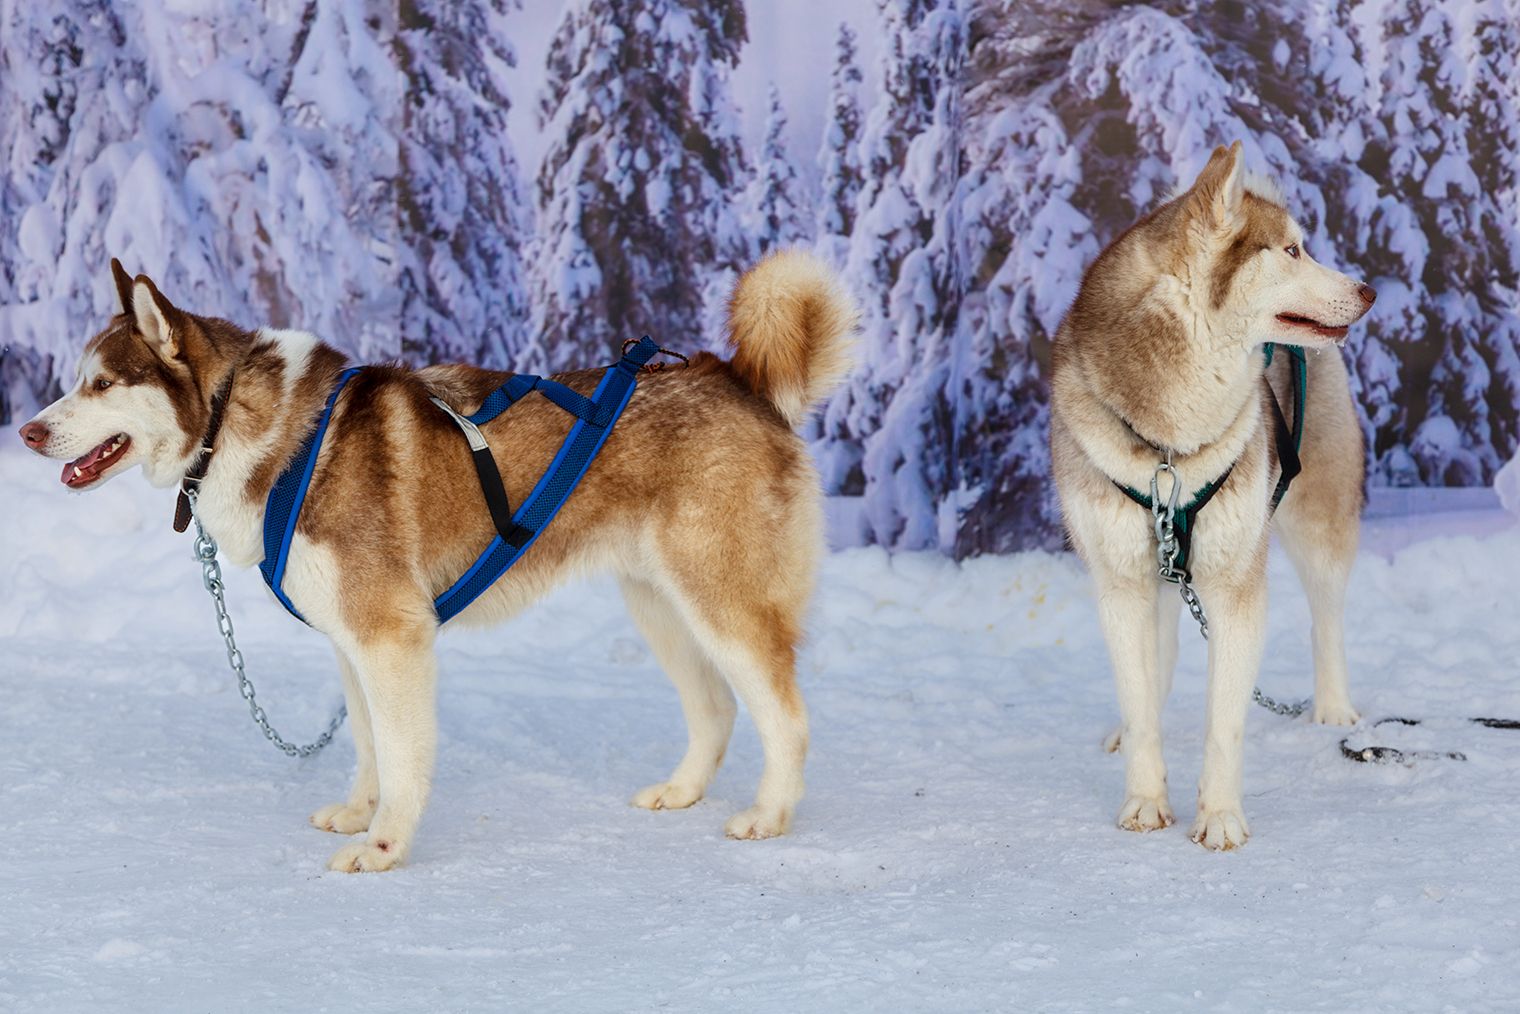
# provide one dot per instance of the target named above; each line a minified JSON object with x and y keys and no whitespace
{"x":142,"y":394}
{"x":1251,"y":278}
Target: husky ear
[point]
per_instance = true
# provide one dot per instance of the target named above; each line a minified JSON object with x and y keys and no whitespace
{"x":1220,"y":188}
{"x":123,"y":285}
{"x":158,"y":321}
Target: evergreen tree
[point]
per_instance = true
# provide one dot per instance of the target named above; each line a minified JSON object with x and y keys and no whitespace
{"x":71,"y":89}
{"x":246,"y":164}
{"x":839,"y":155}
{"x":638,"y":191}
{"x":464,"y":213}
{"x":886,"y":434}
{"x":775,"y":216}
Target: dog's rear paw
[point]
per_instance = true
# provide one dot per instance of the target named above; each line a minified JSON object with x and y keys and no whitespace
{"x":1332,"y":713}
{"x":342,"y":818}
{"x":1114,"y":740}
{"x":363,"y":857}
{"x":666,"y":796}
{"x":756,"y":823}
{"x":1146,"y":813}
{"x":1222,"y":829}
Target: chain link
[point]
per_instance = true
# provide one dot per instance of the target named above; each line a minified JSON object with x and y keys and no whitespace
{"x":211,"y":577}
{"x":1167,"y":548}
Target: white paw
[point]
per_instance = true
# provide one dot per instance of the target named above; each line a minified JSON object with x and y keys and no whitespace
{"x":362,"y":857}
{"x":1220,"y":829}
{"x":1114,"y":740}
{"x":666,"y":796}
{"x":1335,"y":714}
{"x":342,"y":818}
{"x":756,"y":823}
{"x":1146,"y":813}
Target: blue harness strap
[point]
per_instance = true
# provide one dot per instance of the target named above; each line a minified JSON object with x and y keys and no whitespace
{"x":595,"y":417}
{"x":285,"y":499}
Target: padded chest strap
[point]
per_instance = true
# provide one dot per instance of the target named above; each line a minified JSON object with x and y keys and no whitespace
{"x":287,"y":495}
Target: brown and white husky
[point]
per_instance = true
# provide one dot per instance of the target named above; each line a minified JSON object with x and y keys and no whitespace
{"x":1161,"y":356}
{"x":703,"y":502}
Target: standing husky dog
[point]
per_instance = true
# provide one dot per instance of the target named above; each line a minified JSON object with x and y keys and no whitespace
{"x":703,"y":502}
{"x":1161,"y":359}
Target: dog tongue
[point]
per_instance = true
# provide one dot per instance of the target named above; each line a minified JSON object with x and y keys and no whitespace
{"x":86,"y":464}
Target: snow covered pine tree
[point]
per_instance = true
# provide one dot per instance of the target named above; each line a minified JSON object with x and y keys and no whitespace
{"x":464,"y":212}
{"x":886,"y":434}
{"x":638,"y":195}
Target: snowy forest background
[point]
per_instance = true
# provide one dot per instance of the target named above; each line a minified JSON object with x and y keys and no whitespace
{"x":366,"y":170}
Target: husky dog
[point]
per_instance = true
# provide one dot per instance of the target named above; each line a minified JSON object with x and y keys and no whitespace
{"x":1161,"y":359}
{"x":703,"y":502}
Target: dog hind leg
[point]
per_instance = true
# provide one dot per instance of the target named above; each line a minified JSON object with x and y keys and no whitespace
{"x":1324,"y":564}
{"x":706,"y":699}
{"x":354,"y":815}
{"x":1320,"y":534}
{"x":754,"y":646}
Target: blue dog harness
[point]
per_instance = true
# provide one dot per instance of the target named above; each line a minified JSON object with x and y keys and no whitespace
{"x":595,"y":417}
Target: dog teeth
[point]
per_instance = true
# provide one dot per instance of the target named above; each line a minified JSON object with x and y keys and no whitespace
{"x":77,"y":473}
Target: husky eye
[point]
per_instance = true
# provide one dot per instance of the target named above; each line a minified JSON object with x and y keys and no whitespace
{"x":102,"y":383}
{"x":1293,"y":251}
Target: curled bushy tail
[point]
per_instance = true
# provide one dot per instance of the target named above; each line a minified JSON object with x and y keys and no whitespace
{"x":791,"y":327}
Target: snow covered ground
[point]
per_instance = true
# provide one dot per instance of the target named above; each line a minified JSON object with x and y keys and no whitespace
{"x":956,"y":850}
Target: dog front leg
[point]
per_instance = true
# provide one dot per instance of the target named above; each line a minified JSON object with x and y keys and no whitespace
{"x":399,"y":677}
{"x":1237,"y":611}
{"x":354,"y":815}
{"x":1127,"y":609}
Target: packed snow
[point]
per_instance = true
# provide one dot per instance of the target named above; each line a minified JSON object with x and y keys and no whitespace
{"x":956,"y":850}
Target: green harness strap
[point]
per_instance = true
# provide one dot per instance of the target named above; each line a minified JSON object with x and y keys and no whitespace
{"x":1288,"y":441}
{"x":1182,"y":523}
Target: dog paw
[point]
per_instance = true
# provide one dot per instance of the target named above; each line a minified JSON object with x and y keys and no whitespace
{"x":1114,"y":740}
{"x":342,"y":818}
{"x":1335,"y":714}
{"x":362,"y":857}
{"x":666,"y":796}
{"x":1146,"y":813}
{"x":755,"y":824}
{"x":1221,"y":829}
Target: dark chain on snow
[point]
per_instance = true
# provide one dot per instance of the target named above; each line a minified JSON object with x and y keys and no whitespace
{"x":1389,"y":755}
{"x":211,"y":576}
{"x":1164,"y":514}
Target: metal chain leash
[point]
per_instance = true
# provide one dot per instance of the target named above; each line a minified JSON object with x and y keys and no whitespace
{"x":211,"y":577}
{"x":1167,"y":548}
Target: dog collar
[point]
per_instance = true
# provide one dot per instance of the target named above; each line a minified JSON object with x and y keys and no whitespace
{"x":197,"y":470}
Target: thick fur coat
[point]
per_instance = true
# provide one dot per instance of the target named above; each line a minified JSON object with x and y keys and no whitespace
{"x":1161,"y":358}
{"x":703,"y":502}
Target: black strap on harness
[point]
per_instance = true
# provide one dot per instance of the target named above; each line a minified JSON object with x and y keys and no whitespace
{"x":594,"y":416}
{"x":1288,"y":442}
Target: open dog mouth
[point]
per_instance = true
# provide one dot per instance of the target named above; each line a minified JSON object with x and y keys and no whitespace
{"x":82,"y":471}
{"x":1335,"y":333}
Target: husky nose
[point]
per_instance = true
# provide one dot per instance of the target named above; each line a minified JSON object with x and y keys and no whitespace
{"x":35,"y":434}
{"x":1368,"y":294}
